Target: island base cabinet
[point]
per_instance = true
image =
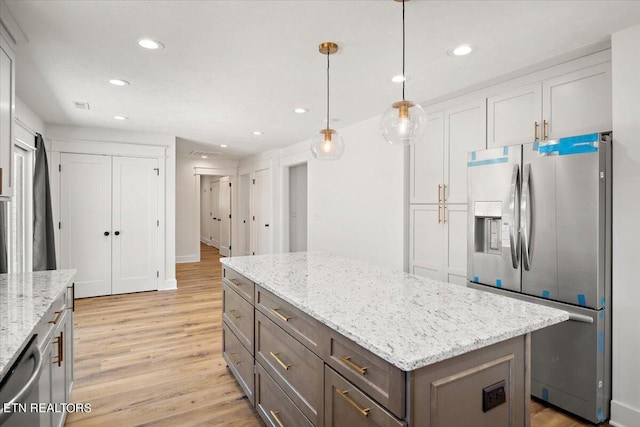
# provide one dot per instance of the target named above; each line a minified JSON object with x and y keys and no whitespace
{"x":239,"y":361}
{"x":346,"y":406}
{"x":273,"y":405}
{"x":461,"y":391}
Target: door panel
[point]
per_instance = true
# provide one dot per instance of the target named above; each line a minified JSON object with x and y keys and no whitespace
{"x":135,"y":215}
{"x":493,"y":217}
{"x":85,"y":215}
{"x":427,"y":162}
{"x":262,"y":212}
{"x":456,"y":228}
{"x":224,"y":203}
{"x":511,"y":116}
{"x":426,"y":242}
{"x":215,"y":208}
{"x":205,"y":210}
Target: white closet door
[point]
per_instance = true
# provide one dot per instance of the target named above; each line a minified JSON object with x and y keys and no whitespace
{"x":215,"y":207}
{"x":205,"y":211}
{"x":262,"y":212}
{"x":85,"y":215}
{"x":135,"y":228}
{"x":225,"y":216}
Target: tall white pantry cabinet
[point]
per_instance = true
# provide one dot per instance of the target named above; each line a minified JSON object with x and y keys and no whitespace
{"x":109,"y":222}
{"x":572,"y":98}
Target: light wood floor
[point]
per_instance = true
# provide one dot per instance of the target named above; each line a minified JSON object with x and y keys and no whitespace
{"x":154,"y":359}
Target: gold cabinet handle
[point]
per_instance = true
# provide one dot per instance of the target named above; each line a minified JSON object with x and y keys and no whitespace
{"x":439,"y":200}
{"x":363,"y":411}
{"x":234,"y":358}
{"x":444,"y":214}
{"x":235,"y":314}
{"x":55,"y":320}
{"x":275,"y":416}
{"x":347,"y":361}
{"x":60,"y":343}
{"x":284,"y":365}
{"x":536,"y":125}
{"x":235,"y":282}
{"x":276,"y":311}
{"x":444,"y":193}
{"x":544,"y":130}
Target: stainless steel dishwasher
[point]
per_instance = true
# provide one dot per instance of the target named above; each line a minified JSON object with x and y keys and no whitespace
{"x":19,"y":389}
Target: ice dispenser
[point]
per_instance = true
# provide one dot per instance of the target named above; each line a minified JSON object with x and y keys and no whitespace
{"x":489,"y":225}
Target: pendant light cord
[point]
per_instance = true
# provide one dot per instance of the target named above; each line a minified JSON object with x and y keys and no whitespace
{"x":404,"y":77}
{"x":328,"y":89}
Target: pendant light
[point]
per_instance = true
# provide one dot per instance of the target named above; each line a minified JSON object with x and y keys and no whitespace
{"x":405,"y":122}
{"x":328,"y":144}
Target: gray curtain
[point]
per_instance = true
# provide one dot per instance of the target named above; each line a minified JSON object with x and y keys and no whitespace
{"x":44,"y":248}
{"x":4,"y":267}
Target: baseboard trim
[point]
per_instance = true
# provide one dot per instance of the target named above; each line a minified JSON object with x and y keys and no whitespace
{"x":187,"y":258}
{"x":623,"y":415}
{"x":169,"y":285}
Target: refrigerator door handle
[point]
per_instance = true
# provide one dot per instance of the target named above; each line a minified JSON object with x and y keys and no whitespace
{"x":514,"y":234}
{"x":525,"y":217}
{"x":580,"y":318}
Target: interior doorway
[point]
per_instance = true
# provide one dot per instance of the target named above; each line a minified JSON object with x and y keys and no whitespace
{"x":298,"y":208}
{"x":215,"y":212}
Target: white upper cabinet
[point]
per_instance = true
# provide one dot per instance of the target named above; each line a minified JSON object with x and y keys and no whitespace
{"x":7,"y":105}
{"x":427,"y":162}
{"x":578,"y":103}
{"x":514,"y":117}
{"x":573,"y":103}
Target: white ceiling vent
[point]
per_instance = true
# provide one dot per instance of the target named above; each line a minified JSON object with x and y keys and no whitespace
{"x":81,"y":105}
{"x":201,"y":154}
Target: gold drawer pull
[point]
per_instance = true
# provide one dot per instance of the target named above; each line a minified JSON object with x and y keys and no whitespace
{"x":347,"y":361}
{"x":275,"y":416}
{"x":276,"y":311}
{"x":275,"y":356}
{"x":544,"y":130}
{"x":234,"y":314}
{"x":363,"y":411}
{"x":535,"y":131}
{"x":58,"y":314}
{"x":234,"y":358}
{"x":235,"y":282}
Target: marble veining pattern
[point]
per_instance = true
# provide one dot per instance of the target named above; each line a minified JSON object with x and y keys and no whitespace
{"x":407,"y":320}
{"x":24,"y":299}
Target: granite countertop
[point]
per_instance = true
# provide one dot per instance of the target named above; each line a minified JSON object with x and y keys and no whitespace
{"x":24,"y":299}
{"x":407,"y":320}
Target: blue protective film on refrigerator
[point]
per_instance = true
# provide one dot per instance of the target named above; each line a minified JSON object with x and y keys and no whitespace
{"x":499,"y":283}
{"x":582,"y":300}
{"x":571,"y":145}
{"x":487,"y":162}
{"x":546,"y":294}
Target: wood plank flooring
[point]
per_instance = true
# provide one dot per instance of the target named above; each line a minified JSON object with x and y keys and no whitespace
{"x":154,"y":359}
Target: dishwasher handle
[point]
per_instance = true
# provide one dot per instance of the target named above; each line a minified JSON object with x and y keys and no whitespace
{"x":30,"y":384}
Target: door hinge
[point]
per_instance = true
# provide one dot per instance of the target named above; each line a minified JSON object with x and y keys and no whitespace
{"x":59,"y":167}
{"x":253,"y":253}
{"x":157,"y":171}
{"x":158,"y":222}
{"x":229,"y":216}
{"x":59,"y":225}
{"x":157,"y":274}
{"x":229,"y":247}
{"x":254,"y":181}
{"x":254,"y":218}
{"x":229,"y":184}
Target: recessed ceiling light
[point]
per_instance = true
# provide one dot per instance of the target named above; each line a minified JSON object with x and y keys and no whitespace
{"x":118,"y":82}
{"x":223,"y":145}
{"x":203,"y":157}
{"x":399,"y":78}
{"x":462,"y":50}
{"x":300,"y":110}
{"x":257,"y":132}
{"x":150,"y":44}
{"x":121,"y":118}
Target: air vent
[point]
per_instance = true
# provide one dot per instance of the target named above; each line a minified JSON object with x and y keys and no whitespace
{"x":81,"y":105}
{"x":200,"y":154}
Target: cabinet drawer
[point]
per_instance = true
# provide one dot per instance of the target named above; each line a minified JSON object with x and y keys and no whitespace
{"x":294,"y":367}
{"x":377,"y":377}
{"x":273,"y":405}
{"x":244,"y":286}
{"x":51,"y":318}
{"x":239,"y":361}
{"x":238,"y":315}
{"x":346,"y":406}
{"x":298,"y":324}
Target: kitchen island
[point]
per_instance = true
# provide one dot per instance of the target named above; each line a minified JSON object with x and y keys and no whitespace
{"x":317,"y":339}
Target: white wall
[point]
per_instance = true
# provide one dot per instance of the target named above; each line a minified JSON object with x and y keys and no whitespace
{"x":356,"y":204}
{"x":625,"y":407}
{"x":104,"y":137}
{"x":188,"y":202}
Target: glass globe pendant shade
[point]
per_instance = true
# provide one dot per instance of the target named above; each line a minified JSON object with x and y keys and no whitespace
{"x":327,"y":145}
{"x":404,"y":123}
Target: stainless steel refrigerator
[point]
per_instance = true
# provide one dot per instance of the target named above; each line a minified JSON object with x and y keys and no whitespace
{"x":539,"y":227}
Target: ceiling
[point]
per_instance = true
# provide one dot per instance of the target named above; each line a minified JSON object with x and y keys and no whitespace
{"x":233,"y":67}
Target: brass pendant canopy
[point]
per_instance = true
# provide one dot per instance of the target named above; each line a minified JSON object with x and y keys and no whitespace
{"x":328,"y":48}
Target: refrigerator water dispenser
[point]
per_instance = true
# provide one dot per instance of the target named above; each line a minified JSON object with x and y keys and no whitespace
{"x":488,"y":227}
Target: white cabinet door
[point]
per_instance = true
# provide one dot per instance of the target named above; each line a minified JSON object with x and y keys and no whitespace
{"x":7,"y":105}
{"x":456,"y":241}
{"x":135,"y":225}
{"x":261,"y":196}
{"x":426,"y":241}
{"x":578,"y":103}
{"x":427,"y":162}
{"x":465,"y":130}
{"x":512,"y":116}
{"x":85,"y":215}
{"x":215,"y":208}
{"x":205,"y":210}
{"x":224,"y":203}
